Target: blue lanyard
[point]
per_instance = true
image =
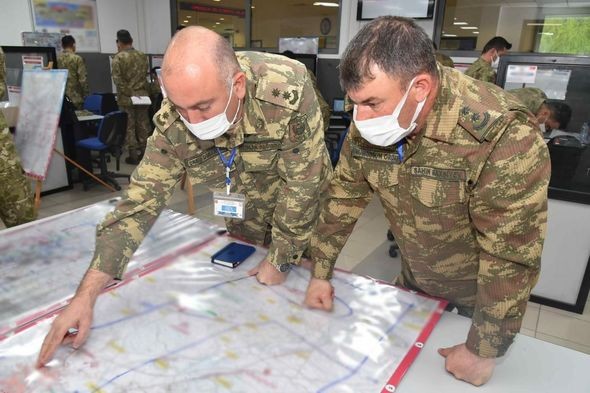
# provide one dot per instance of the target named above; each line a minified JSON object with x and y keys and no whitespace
{"x":228,"y":163}
{"x":400,"y":150}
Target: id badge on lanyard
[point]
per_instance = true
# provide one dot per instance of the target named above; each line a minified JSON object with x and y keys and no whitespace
{"x":229,"y":205}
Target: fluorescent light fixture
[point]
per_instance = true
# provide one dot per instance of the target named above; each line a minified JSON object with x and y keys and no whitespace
{"x":545,"y":33}
{"x":543,"y":24}
{"x":221,"y":18}
{"x":469,"y":28}
{"x":326,"y":4}
{"x":189,"y":16}
{"x":185,"y":21}
{"x":217,"y":23}
{"x":460,"y":23}
{"x":475,"y":32}
{"x":449,"y":35}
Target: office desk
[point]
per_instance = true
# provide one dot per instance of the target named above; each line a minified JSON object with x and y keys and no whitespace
{"x":531,"y":365}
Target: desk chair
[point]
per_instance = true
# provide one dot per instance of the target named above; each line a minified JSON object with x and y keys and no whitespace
{"x":110,"y":139}
{"x":93,"y":103}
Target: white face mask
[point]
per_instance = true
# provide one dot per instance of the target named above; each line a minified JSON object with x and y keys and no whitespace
{"x":385,"y":130}
{"x":496,"y":62}
{"x":215,"y":126}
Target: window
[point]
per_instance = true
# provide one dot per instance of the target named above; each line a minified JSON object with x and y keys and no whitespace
{"x":270,"y":21}
{"x":548,"y":26}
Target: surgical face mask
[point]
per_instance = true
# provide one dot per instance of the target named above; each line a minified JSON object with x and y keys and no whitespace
{"x":215,"y":126}
{"x":496,"y":61}
{"x":386,"y":130}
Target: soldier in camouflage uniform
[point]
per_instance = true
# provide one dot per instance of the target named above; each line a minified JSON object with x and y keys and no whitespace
{"x":532,"y":97}
{"x":129,"y":71}
{"x":281,"y":163}
{"x":550,"y":114}
{"x":16,"y":198}
{"x":483,"y":68}
{"x":465,"y":192}
{"x":77,"y":85}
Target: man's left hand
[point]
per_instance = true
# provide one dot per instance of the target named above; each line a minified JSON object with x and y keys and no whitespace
{"x":467,"y":366}
{"x":267,"y":274}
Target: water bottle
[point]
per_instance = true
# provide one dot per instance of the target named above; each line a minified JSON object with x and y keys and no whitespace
{"x":585,"y":133}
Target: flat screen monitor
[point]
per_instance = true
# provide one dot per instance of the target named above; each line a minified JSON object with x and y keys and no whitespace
{"x":418,"y":9}
{"x":564,"y":80}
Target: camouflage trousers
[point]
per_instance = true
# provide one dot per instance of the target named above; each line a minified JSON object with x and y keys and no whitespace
{"x":138,"y":129}
{"x":16,"y":197}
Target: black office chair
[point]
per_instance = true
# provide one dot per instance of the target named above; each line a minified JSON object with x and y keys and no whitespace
{"x":110,"y":140}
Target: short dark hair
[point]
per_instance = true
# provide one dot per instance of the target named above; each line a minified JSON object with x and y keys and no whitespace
{"x":497,"y":43}
{"x":398,"y":46}
{"x":124,"y":37}
{"x":560,"y":112}
{"x":67,"y":41}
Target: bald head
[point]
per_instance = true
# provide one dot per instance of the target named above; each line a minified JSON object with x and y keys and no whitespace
{"x":197,"y":50}
{"x":201,"y":75}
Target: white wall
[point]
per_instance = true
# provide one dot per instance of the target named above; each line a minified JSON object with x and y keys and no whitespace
{"x":15,"y":17}
{"x":114,"y":15}
{"x":148,"y":21}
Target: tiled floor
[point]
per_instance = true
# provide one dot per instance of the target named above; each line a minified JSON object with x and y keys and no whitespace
{"x":365,"y":253}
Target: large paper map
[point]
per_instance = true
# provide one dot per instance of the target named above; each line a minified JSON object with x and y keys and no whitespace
{"x":191,"y":326}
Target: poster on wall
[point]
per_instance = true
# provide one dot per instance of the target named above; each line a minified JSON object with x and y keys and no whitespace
{"x":73,"y":17}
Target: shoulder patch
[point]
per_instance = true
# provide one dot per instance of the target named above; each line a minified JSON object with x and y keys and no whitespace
{"x":476,"y":121}
{"x":279,"y":80}
{"x":166,"y":116}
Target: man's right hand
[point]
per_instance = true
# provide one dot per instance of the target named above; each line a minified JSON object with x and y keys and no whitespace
{"x":77,"y":315}
{"x":320,"y":294}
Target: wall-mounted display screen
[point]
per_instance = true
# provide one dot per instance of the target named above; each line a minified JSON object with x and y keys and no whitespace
{"x":371,"y":9}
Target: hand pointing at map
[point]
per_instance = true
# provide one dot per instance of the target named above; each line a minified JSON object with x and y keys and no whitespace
{"x":77,"y":315}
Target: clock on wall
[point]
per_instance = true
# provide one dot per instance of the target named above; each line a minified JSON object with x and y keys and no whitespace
{"x":325,"y":26}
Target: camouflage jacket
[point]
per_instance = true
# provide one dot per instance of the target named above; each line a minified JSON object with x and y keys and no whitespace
{"x":281,"y":166}
{"x":531,"y":97}
{"x":77,"y":84}
{"x":130,"y":71}
{"x":467,"y":207}
{"x":481,"y":70}
{"x":3,"y":124}
{"x":444,"y":60}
